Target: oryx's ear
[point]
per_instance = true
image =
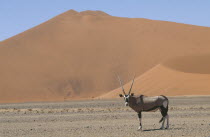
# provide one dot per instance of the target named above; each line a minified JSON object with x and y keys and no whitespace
{"x":132,"y":94}
{"x":120,"y":95}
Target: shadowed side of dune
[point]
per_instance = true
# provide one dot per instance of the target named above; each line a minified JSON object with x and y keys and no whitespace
{"x":190,"y":64}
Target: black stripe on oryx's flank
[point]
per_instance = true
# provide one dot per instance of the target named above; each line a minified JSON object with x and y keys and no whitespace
{"x":152,"y":108}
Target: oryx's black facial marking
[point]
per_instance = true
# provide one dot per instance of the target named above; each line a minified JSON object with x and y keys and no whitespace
{"x":126,"y":97}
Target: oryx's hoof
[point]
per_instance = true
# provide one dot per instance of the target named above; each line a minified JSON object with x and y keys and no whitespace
{"x":167,"y":127}
{"x":162,"y":128}
{"x":139,"y":129}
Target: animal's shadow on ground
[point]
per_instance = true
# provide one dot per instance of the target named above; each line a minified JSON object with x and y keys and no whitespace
{"x":161,"y":129}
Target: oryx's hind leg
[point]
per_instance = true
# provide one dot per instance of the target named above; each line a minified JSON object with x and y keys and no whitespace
{"x":167,"y":116}
{"x":140,"y":124}
{"x":164,"y":112}
{"x":162,"y":127}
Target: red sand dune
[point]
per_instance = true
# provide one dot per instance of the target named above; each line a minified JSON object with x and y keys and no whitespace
{"x":187,"y":75}
{"x":76,"y":55}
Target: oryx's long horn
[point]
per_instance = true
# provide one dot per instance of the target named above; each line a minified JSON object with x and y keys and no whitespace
{"x":131,"y":85}
{"x":121,"y":85}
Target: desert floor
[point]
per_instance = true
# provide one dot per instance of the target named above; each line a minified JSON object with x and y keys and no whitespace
{"x":189,"y":116}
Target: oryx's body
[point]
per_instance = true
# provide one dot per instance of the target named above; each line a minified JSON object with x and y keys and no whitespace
{"x":143,"y":103}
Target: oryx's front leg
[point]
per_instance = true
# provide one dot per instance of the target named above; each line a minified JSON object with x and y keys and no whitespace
{"x":140,"y":125}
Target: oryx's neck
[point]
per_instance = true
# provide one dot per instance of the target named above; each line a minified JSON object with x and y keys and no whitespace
{"x":133,"y":104}
{"x":132,"y":101}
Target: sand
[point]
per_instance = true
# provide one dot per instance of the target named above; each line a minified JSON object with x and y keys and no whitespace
{"x":77,"y":55}
{"x":162,"y":80}
{"x":189,"y":117}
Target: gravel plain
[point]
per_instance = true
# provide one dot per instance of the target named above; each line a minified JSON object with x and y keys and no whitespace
{"x":189,"y":116}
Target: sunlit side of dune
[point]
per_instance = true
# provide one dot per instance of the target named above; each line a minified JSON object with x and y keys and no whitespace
{"x":186,"y":75}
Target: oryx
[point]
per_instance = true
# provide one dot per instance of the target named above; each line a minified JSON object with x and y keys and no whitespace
{"x":143,"y":103}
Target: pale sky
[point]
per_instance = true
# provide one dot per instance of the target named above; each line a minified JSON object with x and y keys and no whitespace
{"x":17,"y":16}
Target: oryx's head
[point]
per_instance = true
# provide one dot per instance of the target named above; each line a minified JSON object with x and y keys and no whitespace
{"x":126,"y":96}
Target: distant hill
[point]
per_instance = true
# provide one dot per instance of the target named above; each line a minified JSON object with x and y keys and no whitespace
{"x":77,"y":55}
